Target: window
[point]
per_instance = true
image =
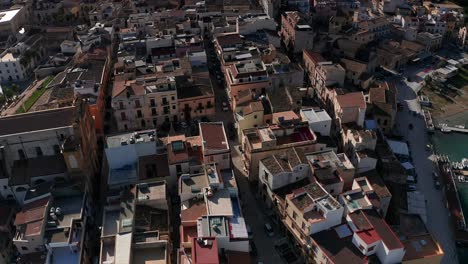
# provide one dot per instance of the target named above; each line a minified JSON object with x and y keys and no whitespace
{"x":255,"y":116}
{"x":153,"y":111}
{"x":152,"y":103}
{"x":303,"y":225}
{"x":39,"y":152}
{"x":123,"y":116}
{"x":139,"y":114}
{"x":225,"y":156}
{"x":21,"y":154}
{"x":137,"y":104}
{"x":173,"y":107}
{"x":294,"y":215}
{"x":121,"y":105}
{"x":370,"y":249}
{"x":362,"y":248}
{"x":173,"y":98}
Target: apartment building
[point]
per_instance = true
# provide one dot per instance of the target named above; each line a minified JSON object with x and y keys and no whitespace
{"x":280,"y":170}
{"x":319,"y":120}
{"x":383,"y":105}
{"x":334,"y":172}
{"x":12,"y":20}
{"x":53,"y":223}
{"x":195,"y":96}
{"x":432,"y":42}
{"x":296,"y":33}
{"x":311,"y":61}
{"x":144,"y":103}
{"x":136,"y":226}
{"x":262,"y":142}
{"x":231,"y":48}
{"x":134,"y":157}
{"x":328,"y":75}
{"x":250,"y":116}
{"x":363,"y":235}
{"x":215,"y":146}
{"x":247,"y":78}
{"x":47,"y":146}
{"x":211,"y":217}
{"x":16,"y":62}
{"x":350,"y":108}
{"x":309,"y":210}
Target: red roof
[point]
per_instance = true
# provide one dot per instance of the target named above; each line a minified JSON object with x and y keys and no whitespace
{"x":354,"y":99}
{"x":389,"y":238}
{"x":32,"y":212}
{"x":369,"y":236}
{"x":202,"y":254}
{"x":213,"y":136}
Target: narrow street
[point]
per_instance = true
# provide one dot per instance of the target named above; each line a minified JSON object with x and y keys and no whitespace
{"x":254,"y":211}
{"x":255,"y":215}
{"x":438,"y":221}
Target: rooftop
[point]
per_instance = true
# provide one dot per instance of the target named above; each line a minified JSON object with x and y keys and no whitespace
{"x":220,"y":203}
{"x":131,"y":138}
{"x":312,"y":116}
{"x":24,"y":169}
{"x":196,"y":85}
{"x":353,"y":99}
{"x":37,"y":121}
{"x":285,"y":161}
{"x":212,"y":226}
{"x":205,"y":251}
{"x":338,"y":246}
{"x":193,"y":183}
{"x":418,"y":242}
{"x":8,"y":15}
{"x":213,"y":136}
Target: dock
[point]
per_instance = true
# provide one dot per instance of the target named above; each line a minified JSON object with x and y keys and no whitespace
{"x":447,"y":129}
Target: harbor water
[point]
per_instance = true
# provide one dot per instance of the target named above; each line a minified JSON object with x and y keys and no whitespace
{"x":455,"y":146}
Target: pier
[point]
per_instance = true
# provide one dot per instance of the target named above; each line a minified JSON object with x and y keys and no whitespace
{"x":447,"y":129}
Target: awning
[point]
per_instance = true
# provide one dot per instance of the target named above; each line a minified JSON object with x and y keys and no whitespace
{"x":407,"y":165}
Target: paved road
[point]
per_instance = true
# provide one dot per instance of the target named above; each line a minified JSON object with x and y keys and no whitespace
{"x":438,"y":221}
{"x":255,"y":215}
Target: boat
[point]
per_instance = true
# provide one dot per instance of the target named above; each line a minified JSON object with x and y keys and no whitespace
{"x":460,"y":126}
{"x":445,"y":130}
{"x":464,"y":163}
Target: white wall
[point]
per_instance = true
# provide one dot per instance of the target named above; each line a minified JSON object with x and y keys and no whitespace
{"x":366,"y":164}
{"x":387,"y":256}
{"x":224,"y":242}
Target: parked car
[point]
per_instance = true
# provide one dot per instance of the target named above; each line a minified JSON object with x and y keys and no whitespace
{"x":225,"y":106}
{"x":437,"y":184}
{"x":268,"y":230}
{"x":249,"y":232}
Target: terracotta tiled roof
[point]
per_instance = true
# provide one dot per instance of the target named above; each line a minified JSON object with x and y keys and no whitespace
{"x":354,"y":99}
